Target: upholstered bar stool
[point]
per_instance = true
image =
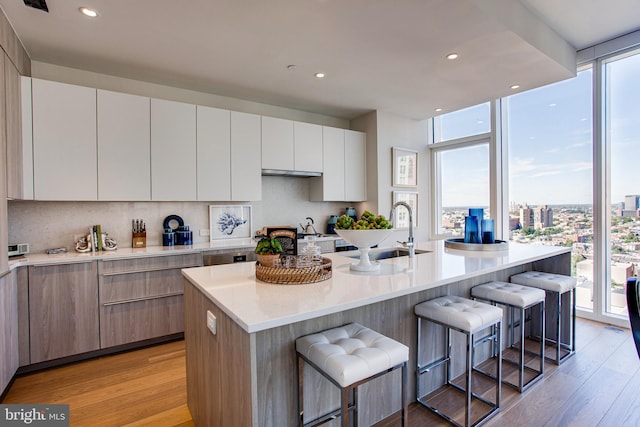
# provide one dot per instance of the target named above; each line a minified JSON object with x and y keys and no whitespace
{"x":557,"y":285}
{"x":349,"y":356}
{"x":517,"y":299}
{"x":470,"y":318}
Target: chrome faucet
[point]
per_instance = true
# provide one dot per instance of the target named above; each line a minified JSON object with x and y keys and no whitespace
{"x":409,"y":243}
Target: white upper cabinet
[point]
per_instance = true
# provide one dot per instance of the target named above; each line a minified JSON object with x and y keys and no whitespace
{"x":344,"y":174}
{"x":330,"y":186}
{"x":277,"y":144}
{"x":173,"y":151}
{"x":214,"y":153}
{"x":64,"y":141}
{"x":246,"y":158}
{"x":355,"y":173}
{"x":307,"y":149}
{"x":124,"y":147}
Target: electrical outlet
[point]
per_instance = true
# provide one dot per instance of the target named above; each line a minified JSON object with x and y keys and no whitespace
{"x":211,"y":322}
{"x":204,"y":232}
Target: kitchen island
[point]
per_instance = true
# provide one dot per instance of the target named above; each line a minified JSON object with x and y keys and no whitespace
{"x":245,"y":373}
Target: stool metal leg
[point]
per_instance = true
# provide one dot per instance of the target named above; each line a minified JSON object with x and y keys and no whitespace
{"x":521,"y":376}
{"x":573,"y":322}
{"x":405,"y":403}
{"x":418,"y":339}
{"x":498,"y":339}
{"x":542,"y":341}
{"x":300,"y":371}
{"x":467,"y":409}
{"x":559,"y":329}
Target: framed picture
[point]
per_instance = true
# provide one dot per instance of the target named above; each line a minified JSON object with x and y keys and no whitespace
{"x":405,"y":167}
{"x":229,"y":222}
{"x":401,"y":216}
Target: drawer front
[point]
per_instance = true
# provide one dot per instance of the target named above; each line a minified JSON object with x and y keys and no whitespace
{"x":139,"y":286}
{"x":121,"y":266}
{"x":137,"y":321}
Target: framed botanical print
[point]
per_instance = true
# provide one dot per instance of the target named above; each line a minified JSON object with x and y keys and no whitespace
{"x":405,"y":167}
{"x":229,"y":222}
{"x":401,"y":216}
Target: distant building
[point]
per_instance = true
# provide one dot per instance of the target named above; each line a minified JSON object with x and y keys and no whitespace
{"x":526,"y":216}
{"x":543,"y":217}
{"x":514,"y":223}
{"x":620,"y":271}
{"x":631,"y":205}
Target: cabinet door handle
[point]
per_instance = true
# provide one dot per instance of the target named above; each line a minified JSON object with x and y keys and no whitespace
{"x":146,"y":270}
{"x":127,"y":301}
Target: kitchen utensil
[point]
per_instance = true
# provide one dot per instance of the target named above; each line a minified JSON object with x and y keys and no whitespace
{"x":308,"y":228}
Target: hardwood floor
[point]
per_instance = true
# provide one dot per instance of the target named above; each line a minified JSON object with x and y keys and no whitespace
{"x":596,"y":387}
{"x":139,"y":388}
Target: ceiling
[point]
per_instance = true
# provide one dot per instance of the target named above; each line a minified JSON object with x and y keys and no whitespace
{"x":387,"y":55}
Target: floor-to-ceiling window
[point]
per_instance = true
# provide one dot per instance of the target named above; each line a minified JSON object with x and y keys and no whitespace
{"x":571,"y":156}
{"x":550,"y":179}
{"x":621,"y":89}
{"x":460,"y":159}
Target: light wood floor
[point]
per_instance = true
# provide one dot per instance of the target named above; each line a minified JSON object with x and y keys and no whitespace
{"x":599,"y":386}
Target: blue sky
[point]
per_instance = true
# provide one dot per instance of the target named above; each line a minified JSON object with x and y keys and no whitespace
{"x":550,"y":143}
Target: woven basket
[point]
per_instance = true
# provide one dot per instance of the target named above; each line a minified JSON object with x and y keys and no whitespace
{"x":294,"y":276}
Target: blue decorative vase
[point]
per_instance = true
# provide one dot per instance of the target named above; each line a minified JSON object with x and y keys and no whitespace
{"x":472,"y":229}
{"x":488,"y":236}
{"x":479,"y":212}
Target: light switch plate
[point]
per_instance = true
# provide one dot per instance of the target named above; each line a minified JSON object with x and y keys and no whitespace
{"x":211,"y":322}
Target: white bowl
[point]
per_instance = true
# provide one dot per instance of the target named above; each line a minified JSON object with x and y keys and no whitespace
{"x":365,"y":238}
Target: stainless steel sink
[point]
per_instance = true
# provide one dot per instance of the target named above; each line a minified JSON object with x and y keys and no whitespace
{"x":377,"y":254}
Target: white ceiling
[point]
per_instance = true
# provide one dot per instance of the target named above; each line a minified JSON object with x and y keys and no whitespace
{"x":384,"y":55}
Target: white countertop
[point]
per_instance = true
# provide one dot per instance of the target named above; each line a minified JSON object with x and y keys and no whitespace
{"x":257,"y":306}
{"x":149,"y":251}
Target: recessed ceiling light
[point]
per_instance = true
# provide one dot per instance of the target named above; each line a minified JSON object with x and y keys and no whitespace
{"x":437,"y":110}
{"x":516,"y":86}
{"x":320,"y":75}
{"x":553,"y":104}
{"x":452,"y":56}
{"x":88,"y":12}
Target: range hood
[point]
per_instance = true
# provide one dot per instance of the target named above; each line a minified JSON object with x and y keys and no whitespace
{"x":278,"y":172}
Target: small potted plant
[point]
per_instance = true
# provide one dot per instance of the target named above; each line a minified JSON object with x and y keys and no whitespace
{"x":268,"y":251}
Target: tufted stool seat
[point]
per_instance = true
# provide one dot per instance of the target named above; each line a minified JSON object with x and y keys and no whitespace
{"x":558,"y":287}
{"x":517,"y":299}
{"x":470,"y":318}
{"x":348,"y":356}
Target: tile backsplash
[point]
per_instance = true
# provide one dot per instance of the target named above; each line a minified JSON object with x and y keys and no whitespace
{"x":55,"y":224}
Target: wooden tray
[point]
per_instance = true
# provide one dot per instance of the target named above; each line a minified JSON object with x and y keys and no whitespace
{"x":294,"y":276}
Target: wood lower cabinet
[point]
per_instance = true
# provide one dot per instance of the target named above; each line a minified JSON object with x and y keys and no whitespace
{"x":8,"y":329}
{"x":142,"y":298}
{"x":63,"y":310}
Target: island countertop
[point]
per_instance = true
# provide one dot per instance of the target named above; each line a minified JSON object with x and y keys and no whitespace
{"x":257,"y":306}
